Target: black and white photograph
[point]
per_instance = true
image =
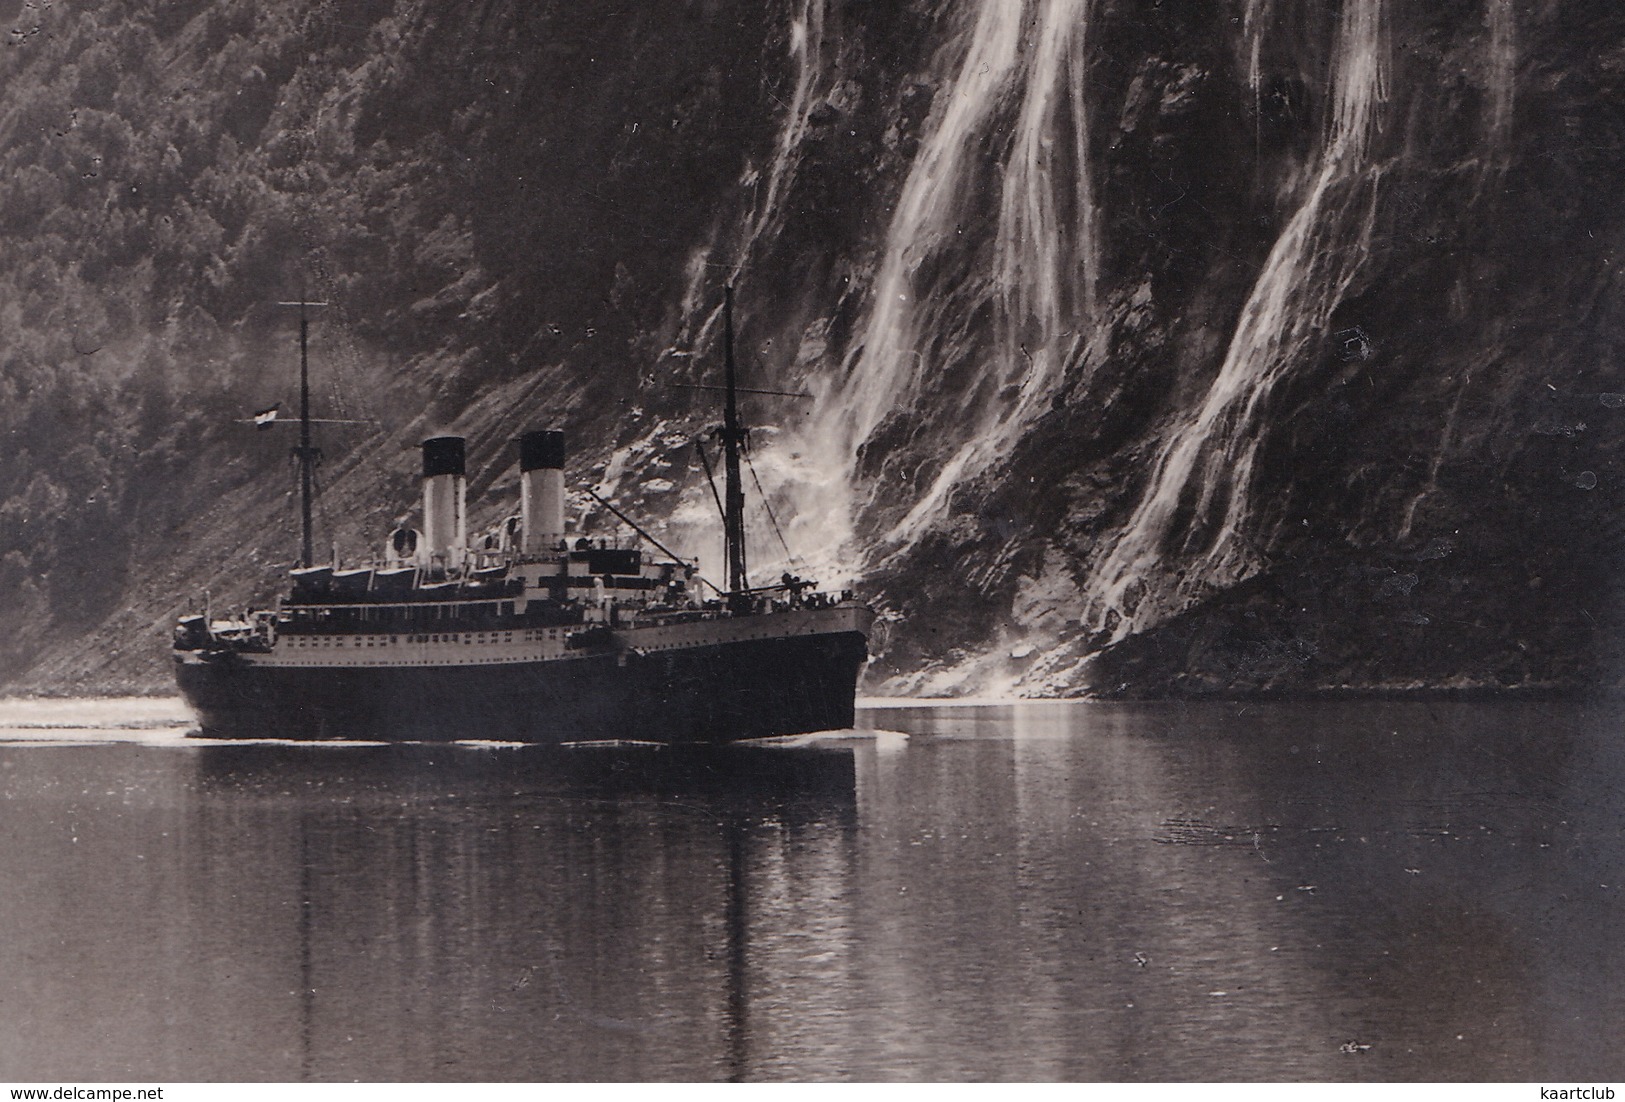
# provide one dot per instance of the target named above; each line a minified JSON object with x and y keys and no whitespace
{"x":812,"y":541}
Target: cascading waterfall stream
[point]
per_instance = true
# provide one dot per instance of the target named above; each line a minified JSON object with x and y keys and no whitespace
{"x":806,"y":48}
{"x":1503,"y":64}
{"x":1039,"y":278}
{"x":1204,"y":473}
{"x":1254,"y":20}
{"x":1045,"y":269}
{"x":805,"y":45}
{"x":885,"y":362}
{"x":694,"y":523}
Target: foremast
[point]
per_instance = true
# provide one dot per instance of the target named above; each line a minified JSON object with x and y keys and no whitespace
{"x":306,"y":453}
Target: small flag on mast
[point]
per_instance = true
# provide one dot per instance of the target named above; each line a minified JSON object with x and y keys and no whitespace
{"x":265,"y":418}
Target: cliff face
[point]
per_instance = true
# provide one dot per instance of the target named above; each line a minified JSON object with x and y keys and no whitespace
{"x":1188,"y":347}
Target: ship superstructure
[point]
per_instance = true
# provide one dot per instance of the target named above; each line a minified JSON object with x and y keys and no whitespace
{"x":533,"y":635}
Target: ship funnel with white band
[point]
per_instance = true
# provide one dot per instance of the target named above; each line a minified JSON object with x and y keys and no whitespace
{"x":445,"y":525}
{"x":541,"y":482}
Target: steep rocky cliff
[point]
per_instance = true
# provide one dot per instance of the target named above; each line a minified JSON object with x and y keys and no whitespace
{"x":1180,"y":347}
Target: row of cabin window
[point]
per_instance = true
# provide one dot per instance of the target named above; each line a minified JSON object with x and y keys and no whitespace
{"x":405,"y":613}
{"x":466,"y":637}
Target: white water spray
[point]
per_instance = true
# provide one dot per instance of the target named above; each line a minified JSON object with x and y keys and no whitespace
{"x":1205,"y":470}
{"x":694,"y":525}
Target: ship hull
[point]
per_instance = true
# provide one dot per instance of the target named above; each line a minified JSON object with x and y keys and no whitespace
{"x":721,"y":692}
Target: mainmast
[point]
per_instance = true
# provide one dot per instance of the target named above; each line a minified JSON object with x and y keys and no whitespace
{"x":733,"y":440}
{"x":305,"y":453}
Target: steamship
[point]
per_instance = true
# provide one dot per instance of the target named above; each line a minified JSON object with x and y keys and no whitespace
{"x":531,"y":635}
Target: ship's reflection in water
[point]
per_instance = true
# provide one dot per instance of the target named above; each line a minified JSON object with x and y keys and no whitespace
{"x":1026,"y":892}
{"x":576,"y":913}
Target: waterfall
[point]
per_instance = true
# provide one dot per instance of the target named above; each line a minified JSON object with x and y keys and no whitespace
{"x":1203,"y":474}
{"x":1503,"y":62}
{"x":1045,"y":263}
{"x":806,"y":45}
{"x":885,"y":363}
{"x":1254,"y":20}
{"x":694,"y":523}
{"x":1042,"y":263}
{"x":1019,"y":91}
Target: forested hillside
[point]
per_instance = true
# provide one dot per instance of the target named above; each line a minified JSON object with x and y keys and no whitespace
{"x":481,"y":192}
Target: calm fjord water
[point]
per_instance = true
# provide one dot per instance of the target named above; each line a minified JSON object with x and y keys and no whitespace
{"x":1356,"y":891}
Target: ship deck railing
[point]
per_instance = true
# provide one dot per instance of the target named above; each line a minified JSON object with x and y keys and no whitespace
{"x":471,"y":615}
{"x":501,"y":614}
{"x":488,"y":559}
